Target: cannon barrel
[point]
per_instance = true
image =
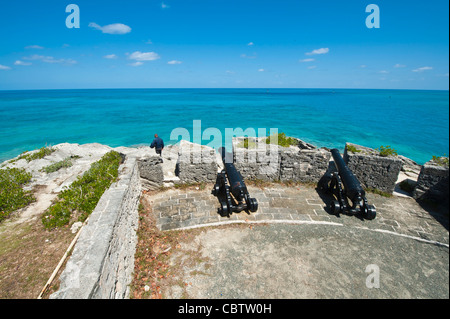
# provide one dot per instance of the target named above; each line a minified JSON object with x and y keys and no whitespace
{"x":235,"y":186}
{"x":352,"y":186}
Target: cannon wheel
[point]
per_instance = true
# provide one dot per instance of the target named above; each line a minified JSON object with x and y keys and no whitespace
{"x":224,"y":209}
{"x":215,"y":190}
{"x":253,"y":204}
{"x":335,"y":207}
{"x":370,"y":212}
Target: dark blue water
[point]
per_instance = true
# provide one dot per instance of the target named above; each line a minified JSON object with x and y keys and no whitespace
{"x":415,"y":123}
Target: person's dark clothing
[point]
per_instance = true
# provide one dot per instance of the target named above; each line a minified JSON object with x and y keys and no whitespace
{"x":158,"y":144}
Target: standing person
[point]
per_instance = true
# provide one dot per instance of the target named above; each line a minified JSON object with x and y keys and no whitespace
{"x":158,"y":144}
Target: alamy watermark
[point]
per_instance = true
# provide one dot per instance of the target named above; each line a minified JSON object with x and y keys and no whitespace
{"x":73,"y":19}
{"x":373,"y":19}
{"x":373,"y":279}
{"x":250,"y":139}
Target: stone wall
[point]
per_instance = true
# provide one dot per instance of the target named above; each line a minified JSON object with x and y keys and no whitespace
{"x":102,"y":262}
{"x":151,"y":172}
{"x":257,"y":164}
{"x":302,"y":163}
{"x":372,"y":170}
{"x":306,"y":165}
{"x":196,"y":163}
{"x":433,"y":183}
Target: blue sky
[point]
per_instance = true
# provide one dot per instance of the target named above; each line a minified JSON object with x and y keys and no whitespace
{"x":221,"y":44}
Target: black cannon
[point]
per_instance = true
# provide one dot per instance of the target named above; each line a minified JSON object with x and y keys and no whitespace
{"x":230,"y":189}
{"x":346,"y":188}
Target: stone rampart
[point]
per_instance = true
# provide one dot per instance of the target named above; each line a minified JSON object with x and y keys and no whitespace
{"x":102,"y":262}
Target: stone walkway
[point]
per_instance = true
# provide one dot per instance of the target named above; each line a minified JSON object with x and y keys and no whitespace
{"x":189,"y":208}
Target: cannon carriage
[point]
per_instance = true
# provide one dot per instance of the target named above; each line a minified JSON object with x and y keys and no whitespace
{"x":348,"y":194}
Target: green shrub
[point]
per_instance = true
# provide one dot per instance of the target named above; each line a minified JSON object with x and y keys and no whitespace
{"x":352,"y":148}
{"x":67,"y":162}
{"x":12,"y":195}
{"x":83,"y":194}
{"x":246,"y":143}
{"x":386,"y":151}
{"x":283,"y":140}
{"x":441,"y":160}
{"x":44,"y":151}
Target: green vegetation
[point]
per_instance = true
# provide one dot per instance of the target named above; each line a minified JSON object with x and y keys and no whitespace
{"x":246,"y":143}
{"x":283,"y":140}
{"x":379,"y":192}
{"x":12,"y":195}
{"x":67,"y":162}
{"x":441,"y":160}
{"x":352,"y":148}
{"x":41,"y":153}
{"x":83,"y":195}
{"x":386,"y":151}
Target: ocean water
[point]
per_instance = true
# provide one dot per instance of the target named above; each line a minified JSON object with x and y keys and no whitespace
{"x":415,"y":123}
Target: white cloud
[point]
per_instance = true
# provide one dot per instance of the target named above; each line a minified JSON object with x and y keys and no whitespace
{"x":425,"y":68}
{"x":49,"y":59}
{"x":4,"y":67}
{"x":383,"y":72}
{"x":174,"y":62}
{"x":143,"y":56}
{"x":250,"y":43}
{"x":260,"y":70}
{"x":229,"y":72}
{"x":399,"y":65}
{"x":136,"y":63}
{"x":34,"y":47}
{"x":363,"y":66}
{"x":110,"y":56}
{"x":164,"y":6}
{"x":245,"y":56}
{"x":115,"y":28}
{"x":148,"y":42}
{"x":312,"y":67}
{"x":18,"y":62}
{"x":307,"y":60}
{"x":318,"y":51}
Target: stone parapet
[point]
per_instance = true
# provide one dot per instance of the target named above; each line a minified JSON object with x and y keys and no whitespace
{"x":102,"y":262}
{"x":371,"y":169}
{"x":433,"y":183}
{"x":196,"y":163}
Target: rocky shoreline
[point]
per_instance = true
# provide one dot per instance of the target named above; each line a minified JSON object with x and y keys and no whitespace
{"x":187,"y":163}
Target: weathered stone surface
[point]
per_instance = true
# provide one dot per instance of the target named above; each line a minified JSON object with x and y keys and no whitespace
{"x":102,"y":262}
{"x":302,"y":163}
{"x":433,"y":183}
{"x":196,"y":163}
{"x":151,"y":172}
{"x":258,"y":164}
{"x":372,"y":170}
{"x":305,"y":165}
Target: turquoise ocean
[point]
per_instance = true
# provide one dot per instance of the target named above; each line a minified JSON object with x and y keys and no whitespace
{"x":415,"y":123}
